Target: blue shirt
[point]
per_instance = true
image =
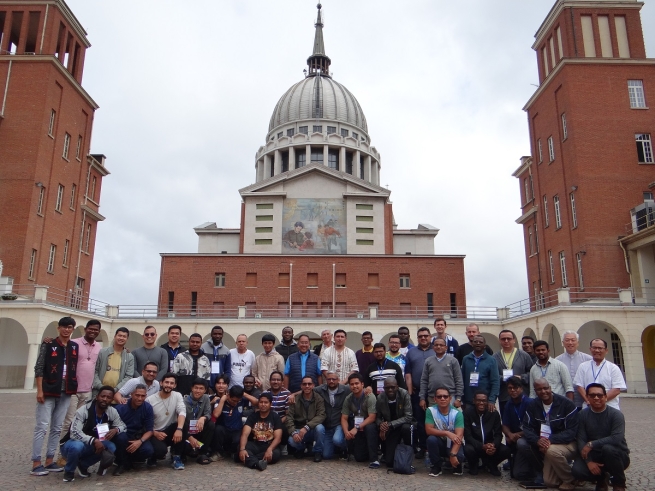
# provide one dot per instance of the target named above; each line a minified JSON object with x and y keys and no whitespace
{"x":414,"y":361}
{"x":303,"y":364}
{"x":137,"y":421}
{"x":513,"y":414}
{"x":231,"y":416}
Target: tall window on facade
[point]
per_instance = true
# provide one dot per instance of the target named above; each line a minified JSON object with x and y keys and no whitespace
{"x":340,"y":280}
{"x":78,"y":150}
{"x":551,"y":149}
{"x":333,"y":159}
{"x":60,"y":198}
{"x":280,"y":135}
{"x":617,"y":352}
{"x":349,"y":162}
{"x":67,"y":144}
{"x":644,"y":148}
{"x":87,"y":238}
{"x":565,"y":131}
{"x":171,"y":301}
{"x":361,"y":167}
{"x":51,"y":258}
{"x":551,"y":266}
{"x":39,"y":206}
{"x":317,"y":155}
{"x":219,"y":280}
{"x":331,"y":129}
{"x":574,"y":214}
{"x":536,"y":238}
{"x":578,"y":260}
{"x":285,"y":161}
{"x":344,"y":132}
{"x":526,"y":190}
{"x":51,"y":124}
{"x":194,"y":303}
{"x":562,"y":266}
{"x":558,"y":215}
{"x":404,"y":281}
{"x":531,"y":239}
{"x":67,"y":244}
{"x":301,"y":159}
{"x":30,"y":273}
{"x":92,"y":193}
{"x":290,"y":132}
{"x":545,"y":211}
{"x":636,"y":93}
{"x":303,"y":130}
{"x":540,"y":152}
{"x":73,"y":192}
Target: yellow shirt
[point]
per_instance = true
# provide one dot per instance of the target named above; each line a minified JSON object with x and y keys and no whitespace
{"x":113,"y":370}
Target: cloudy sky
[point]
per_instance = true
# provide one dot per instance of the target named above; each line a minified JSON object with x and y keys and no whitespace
{"x":186,"y":91}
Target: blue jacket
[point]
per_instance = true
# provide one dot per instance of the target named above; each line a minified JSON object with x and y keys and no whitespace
{"x":489,"y":380}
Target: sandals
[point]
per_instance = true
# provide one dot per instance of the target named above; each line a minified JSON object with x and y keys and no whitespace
{"x":204,"y":460}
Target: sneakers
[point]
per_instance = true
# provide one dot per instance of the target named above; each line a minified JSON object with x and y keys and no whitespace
{"x":151,"y":463}
{"x":374,"y":465}
{"x":177,"y":463}
{"x":39,"y":471}
{"x":435,"y":471}
{"x":106,"y":460}
{"x":54,"y":468}
{"x":458,"y":471}
{"x":83,"y":472}
{"x":69,"y":476}
{"x":261,"y":465}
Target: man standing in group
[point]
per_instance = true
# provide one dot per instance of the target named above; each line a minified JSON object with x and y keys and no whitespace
{"x":86,"y":366}
{"x":333,"y":395}
{"x":394,"y":353}
{"x":339,"y":358}
{"x":304,"y":421}
{"x":134,"y":445}
{"x":146,"y":379}
{"x":300,"y":364}
{"x":444,"y":425}
{"x":511,"y":362}
{"x":267,"y":362}
{"x":599,"y":370}
{"x":480,"y":373}
{"x":150,"y":353}
{"x":483,"y":435}
{"x":415,"y":361}
{"x":573,"y":358}
{"x":601,"y":442}
{"x":364,"y":355}
{"x":527,"y":343}
{"x":512,"y":418}
{"x":451,"y":343}
{"x":218,"y":354}
{"x":550,"y":427}
{"x":554,"y":371}
{"x":190,"y":365}
{"x":242,"y":360}
{"x":472,"y":330}
{"x":115,"y":366}
{"x":441,"y":370}
{"x":287,"y":346}
{"x":94,"y":427}
{"x":55,"y":374}
{"x":380,"y":370}
{"x":173,"y":346}
{"x":405,"y":345}
{"x":326,"y":336}
{"x":358,"y":422}
{"x":261,"y":436}
{"x":394,"y":418}
{"x":170,"y":413}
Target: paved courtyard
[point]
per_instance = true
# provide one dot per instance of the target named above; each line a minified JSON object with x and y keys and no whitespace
{"x":17,"y":424}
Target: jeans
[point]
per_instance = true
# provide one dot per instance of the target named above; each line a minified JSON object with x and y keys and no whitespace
{"x":123,"y":457}
{"x":316,"y":435}
{"x":438,"y":450}
{"x":332,"y":437}
{"x":365,"y":445}
{"x":52,"y":412}
{"x":81,"y":454}
{"x":614,"y":460}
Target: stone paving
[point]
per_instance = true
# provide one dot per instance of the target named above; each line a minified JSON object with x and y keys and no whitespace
{"x":17,"y":424}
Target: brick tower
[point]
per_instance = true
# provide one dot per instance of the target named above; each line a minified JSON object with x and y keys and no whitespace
{"x":591,"y":141}
{"x":49,"y":184}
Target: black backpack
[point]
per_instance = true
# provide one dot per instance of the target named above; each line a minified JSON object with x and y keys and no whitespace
{"x":403,"y":458}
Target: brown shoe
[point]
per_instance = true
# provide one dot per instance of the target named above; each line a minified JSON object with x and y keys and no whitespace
{"x":61,"y":461}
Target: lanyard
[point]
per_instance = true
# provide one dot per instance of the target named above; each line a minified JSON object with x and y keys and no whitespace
{"x":547,"y":415}
{"x":518,"y":413}
{"x":543,"y":372}
{"x":99,"y":421}
{"x":600,"y":370}
{"x":509,"y":361}
{"x":359,"y":401}
{"x":445,"y":420}
{"x":477,"y":361}
{"x":381,"y":369}
{"x":173,"y":352}
{"x":216,"y":348}
{"x":195,"y":407}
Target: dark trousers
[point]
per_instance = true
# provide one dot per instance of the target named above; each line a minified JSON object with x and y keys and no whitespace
{"x":393,"y":439}
{"x":615,"y":461}
{"x":439,"y":451}
{"x":206,"y":437}
{"x":226,"y":440}
{"x":419,"y":415}
{"x":502,"y":405}
{"x":161,"y":446}
{"x":365,"y":445}
{"x":123,"y":457}
{"x":256,"y":451}
{"x":472,"y":456}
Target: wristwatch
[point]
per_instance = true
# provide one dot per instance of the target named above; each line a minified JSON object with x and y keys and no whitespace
{"x":179,"y":429}
{"x":453,"y":454}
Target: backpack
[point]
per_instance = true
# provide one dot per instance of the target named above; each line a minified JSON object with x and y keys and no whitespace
{"x":403,"y":458}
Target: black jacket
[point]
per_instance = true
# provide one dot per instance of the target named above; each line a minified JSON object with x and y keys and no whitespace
{"x":563,"y":418}
{"x":474,"y":426}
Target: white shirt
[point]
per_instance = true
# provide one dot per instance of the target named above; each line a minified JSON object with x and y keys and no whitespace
{"x":607,"y":374}
{"x":340,"y":362}
{"x":129,"y":386}
{"x":173,"y":405}
{"x":241,"y":365}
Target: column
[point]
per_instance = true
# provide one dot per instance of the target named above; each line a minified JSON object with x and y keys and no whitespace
{"x":22,"y":38}
{"x":32,"y":355}
{"x":267,"y":166}
{"x":325,"y":155}
{"x":308,"y":155}
{"x":367,"y":168}
{"x":278,"y":163}
{"x":62,"y":45}
{"x":635,"y":374}
{"x":6,"y":29}
{"x":292,"y":158}
{"x":356,"y":164}
{"x":342,"y":159}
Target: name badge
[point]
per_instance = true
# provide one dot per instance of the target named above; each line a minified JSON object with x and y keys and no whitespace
{"x":380,"y":385}
{"x":545,"y":431}
{"x":475,"y":378}
{"x":103,"y":429}
{"x":449,"y":442}
{"x":216,"y":367}
{"x":170,"y":365}
{"x":358,"y":421}
{"x":507,"y":373}
{"x":193,"y":427}
{"x":64,"y":372}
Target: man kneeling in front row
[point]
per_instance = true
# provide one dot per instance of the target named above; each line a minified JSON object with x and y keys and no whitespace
{"x":261,"y":436}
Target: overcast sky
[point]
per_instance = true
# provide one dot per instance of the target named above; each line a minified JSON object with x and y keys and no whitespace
{"x":186,"y":91}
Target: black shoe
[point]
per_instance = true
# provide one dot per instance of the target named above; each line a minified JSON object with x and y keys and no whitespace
{"x":261,"y":465}
{"x":151,"y":463}
{"x":298,"y":454}
{"x":494,"y":471}
{"x":435,"y":471}
{"x":69,"y":476}
{"x":473,"y":469}
{"x":458,"y":471}
{"x":420,"y":454}
{"x":119,"y":470}
{"x":318,"y":457}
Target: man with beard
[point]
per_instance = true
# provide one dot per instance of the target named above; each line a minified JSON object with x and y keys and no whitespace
{"x":380,"y":370}
{"x":170,"y":413}
{"x":134,"y":445}
{"x":333,"y":395}
{"x":304,"y":421}
{"x":261,"y":436}
{"x":218,"y":354}
{"x":287,"y":346}
{"x":146,"y":379}
{"x":150,"y":353}
{"x":251,"y":394}
{"x":190,"y":365}
{"x":394,"y":418}
{"x":554,"y":371}
{"x":364,"y":355}
{"x":93,"y":428}
{"x":339,"y":358}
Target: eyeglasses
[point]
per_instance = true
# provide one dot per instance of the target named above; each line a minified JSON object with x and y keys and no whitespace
{"x":442,"y":397}
{"x":332,"y":379}
{"x":595,"y":396}
{"x":149,"y":334}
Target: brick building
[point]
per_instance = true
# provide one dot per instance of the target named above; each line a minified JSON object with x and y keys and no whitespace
{"x":591,"y":156}
{"x":317,"y":236}
{"x":49,"y":184}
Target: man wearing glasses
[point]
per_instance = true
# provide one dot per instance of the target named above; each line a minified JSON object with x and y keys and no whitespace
{"x":150,"y":353}
{"x":601,"y":442}
{"x":512,"y":362}
{"x":147,"y":378}
{"x":304,"y":419}
{"x":444,"y":426}
{"x":599,"y":370}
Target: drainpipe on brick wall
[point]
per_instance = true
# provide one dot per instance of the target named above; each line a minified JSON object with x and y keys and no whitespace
{"x":45,"y":23}
{"x":334,"y":273}
{"x":627,"y":268}
{"x":290,"y":286}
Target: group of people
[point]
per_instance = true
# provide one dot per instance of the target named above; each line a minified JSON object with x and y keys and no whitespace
{"x":454,"y":404}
